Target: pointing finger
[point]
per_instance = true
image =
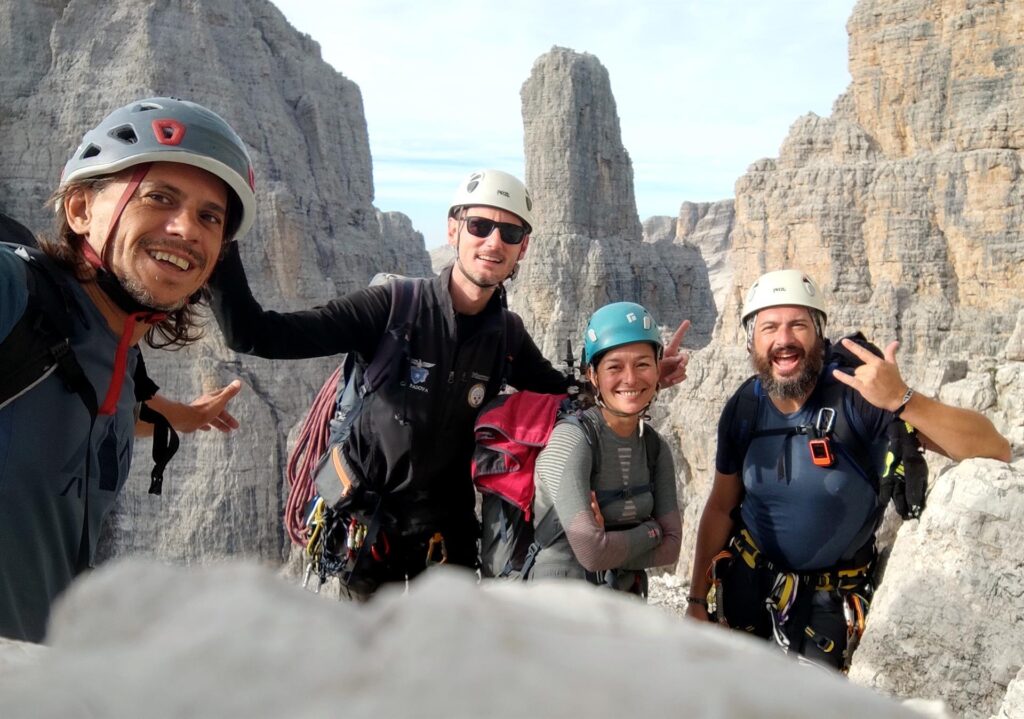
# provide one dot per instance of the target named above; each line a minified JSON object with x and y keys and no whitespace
{"x":865,"y":355}
{"x":677,"y":338}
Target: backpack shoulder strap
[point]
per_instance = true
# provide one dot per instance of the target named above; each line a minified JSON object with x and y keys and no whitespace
{"x":515,"y":332}
{"x":652,"y":443}
{"x":549,"y":528}
{"x":20,"y":234}
{"x":741,"y":414}
{"x":593,"y":434}
{"x":39,"y":344}
{"x":394,"y":343}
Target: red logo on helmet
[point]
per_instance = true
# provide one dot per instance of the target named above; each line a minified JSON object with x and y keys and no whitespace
{"x":168,"y":132}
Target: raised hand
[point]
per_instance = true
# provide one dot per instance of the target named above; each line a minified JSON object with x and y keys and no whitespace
{"x":673,"y":361}
{"x":878,"y":380}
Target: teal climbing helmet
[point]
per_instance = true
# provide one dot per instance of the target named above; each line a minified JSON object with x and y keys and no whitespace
{"x":618,"y":324}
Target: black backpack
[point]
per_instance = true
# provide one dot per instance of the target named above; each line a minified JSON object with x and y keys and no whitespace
{"x":39,"y":345}
{"x":502,"y":470}
{"x":320,"y":483}
{"x":905,"y":477}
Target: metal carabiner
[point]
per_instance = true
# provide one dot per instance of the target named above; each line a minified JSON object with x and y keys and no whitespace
{"x":825,"y":422}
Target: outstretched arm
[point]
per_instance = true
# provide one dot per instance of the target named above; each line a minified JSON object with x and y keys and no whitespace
{"x":352,"y":323}
{"x":206,"y":412}
{"x":955,"y":432}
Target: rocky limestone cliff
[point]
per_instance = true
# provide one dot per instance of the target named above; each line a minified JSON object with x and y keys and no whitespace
{"x":317,"y":234}
{"x":953,"y":627}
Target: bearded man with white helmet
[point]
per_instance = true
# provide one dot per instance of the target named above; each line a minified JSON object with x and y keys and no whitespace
{"x":144,"y":209}
{"x":787,"y":536}
{"x":413,"y":438}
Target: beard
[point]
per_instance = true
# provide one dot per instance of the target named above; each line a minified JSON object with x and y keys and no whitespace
{"x":136,"y":288}
{"x":141,"y":294}
{"x":798,"y":385}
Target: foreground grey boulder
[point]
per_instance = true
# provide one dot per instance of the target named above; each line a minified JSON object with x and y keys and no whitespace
{"x":948,"y":620}
{"x":234,"y":640}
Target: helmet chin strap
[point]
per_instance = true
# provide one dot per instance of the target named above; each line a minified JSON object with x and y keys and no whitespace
{"x":111,"y":286}
{"x":105,"y":278}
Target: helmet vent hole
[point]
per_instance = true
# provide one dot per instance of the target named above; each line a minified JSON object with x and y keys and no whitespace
{"x":90,"y":151}
{"x":126,"y":134}
{"x":145,"y":107}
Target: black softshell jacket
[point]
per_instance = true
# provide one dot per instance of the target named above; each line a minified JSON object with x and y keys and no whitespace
{"x":414,"y":438}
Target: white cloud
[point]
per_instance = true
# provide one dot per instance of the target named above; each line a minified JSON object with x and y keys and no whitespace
{"x":703,"y":87}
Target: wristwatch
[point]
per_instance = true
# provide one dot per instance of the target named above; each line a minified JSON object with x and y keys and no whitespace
{"x":697,"y":600}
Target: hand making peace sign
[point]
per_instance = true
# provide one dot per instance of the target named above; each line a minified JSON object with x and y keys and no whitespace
{"x":673,"y":361}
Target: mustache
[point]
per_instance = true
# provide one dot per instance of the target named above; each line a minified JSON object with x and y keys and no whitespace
{"x":794,"y":348}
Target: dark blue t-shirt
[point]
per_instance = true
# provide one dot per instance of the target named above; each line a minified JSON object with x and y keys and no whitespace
{"x":803,"y":516}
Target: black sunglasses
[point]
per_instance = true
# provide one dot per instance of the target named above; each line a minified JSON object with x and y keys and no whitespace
{"x":482,"y":227}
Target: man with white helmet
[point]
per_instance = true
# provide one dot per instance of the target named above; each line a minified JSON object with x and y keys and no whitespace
{"x":787,"y":534}
{"x":144,"y":208}
{"x":411,"y":444}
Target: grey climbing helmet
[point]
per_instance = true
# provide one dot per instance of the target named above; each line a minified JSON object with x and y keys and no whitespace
{"x":164,"y":129}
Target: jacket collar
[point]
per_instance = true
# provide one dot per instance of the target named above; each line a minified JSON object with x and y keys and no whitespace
{"x":442,"y":288}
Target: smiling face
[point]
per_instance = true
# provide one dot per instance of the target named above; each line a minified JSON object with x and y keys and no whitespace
{"x":168,"y":238}
{"x":626,"y":377}
{"x":786,"y":352}
{"x":484,"y":261}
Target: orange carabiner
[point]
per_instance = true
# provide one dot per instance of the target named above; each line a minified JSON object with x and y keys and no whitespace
{"x":437,"y":539}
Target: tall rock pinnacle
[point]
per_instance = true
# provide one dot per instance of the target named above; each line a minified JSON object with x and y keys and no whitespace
{"x":586,"y":248}
{"x":586,"y":186}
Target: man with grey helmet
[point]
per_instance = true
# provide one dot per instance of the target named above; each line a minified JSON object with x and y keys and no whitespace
{"x":787,"y":536}
{"x":411,"y":444}
{"x":144,"y":209}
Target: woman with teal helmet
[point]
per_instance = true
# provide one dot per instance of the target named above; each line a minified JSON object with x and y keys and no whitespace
{"x":611,"y":482}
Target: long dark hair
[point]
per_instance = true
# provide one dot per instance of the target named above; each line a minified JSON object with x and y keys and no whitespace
{"x":181,"y":327}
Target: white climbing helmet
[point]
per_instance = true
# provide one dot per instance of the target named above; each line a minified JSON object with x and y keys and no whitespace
{"x":784,"y":287}
{"x":494,"y":188}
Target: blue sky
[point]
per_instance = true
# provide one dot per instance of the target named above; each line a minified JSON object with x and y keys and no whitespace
{"x":703,"y":87}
